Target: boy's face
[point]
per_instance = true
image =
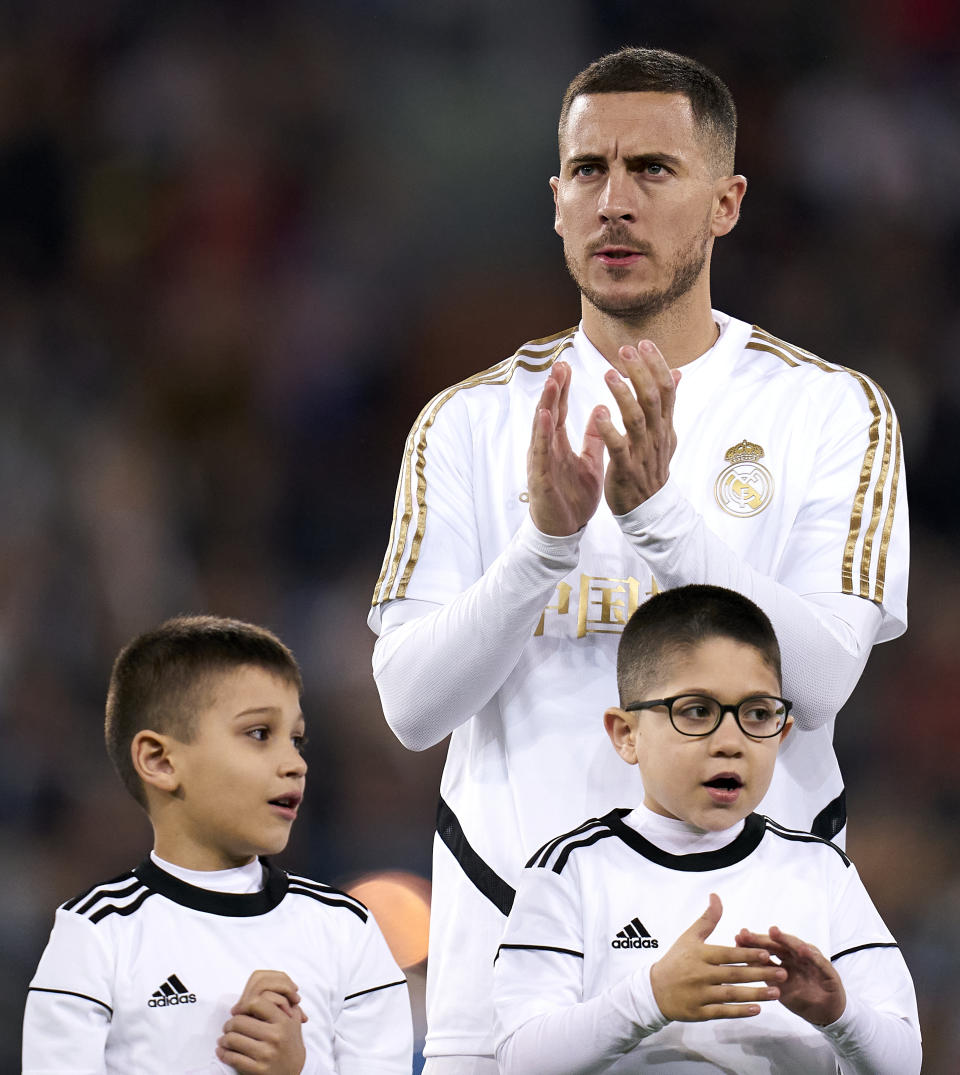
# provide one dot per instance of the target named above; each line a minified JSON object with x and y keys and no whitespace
{"x":238,"y":783}
{"x":678,"y":770}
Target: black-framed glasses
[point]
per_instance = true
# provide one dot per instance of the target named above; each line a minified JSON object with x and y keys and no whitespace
{"x":760,"y":716}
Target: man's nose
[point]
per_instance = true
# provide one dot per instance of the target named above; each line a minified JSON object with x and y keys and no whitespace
{"x":618,"y":198}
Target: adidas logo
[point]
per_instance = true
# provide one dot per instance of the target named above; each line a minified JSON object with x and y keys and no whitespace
{"x":634,"y":935}
{"x":173,"y":991}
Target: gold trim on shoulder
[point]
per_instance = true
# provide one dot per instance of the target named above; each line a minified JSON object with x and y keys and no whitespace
{"x":856,"y":580}
{"x":744,"y":487}
{"x":410,"y":498}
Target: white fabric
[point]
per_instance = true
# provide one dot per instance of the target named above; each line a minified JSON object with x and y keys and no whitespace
{"x":570,"y":1003}
{"x":238,"y":880}
{"x":461,"y":1065}
{"x":88,"y":1011}
{"x":516,"y":650}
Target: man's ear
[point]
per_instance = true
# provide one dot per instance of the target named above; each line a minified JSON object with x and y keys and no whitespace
{"x":621,"y":726}
{"x":557,"y":222}
{"x":729,"y":194}
{"x":150,"y":753}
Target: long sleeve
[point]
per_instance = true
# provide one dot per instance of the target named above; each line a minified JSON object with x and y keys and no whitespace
{"x":479,"y":635}
{"x":582,"y":1038}
{"x":878,"y":1033}
{"x":825,"y":638}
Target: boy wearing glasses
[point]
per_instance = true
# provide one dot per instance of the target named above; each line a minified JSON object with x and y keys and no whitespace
{"x":626,"y":947}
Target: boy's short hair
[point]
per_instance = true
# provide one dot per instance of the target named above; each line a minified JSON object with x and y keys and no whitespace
{"x":643,"y":70}
{"x":157,"y":680}
{"x":678,"y":620}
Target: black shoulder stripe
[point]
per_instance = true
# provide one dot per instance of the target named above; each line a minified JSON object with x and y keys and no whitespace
{"x":539,"y":858}
{"x":861,"y":947}
{"x":327,"y":890}
{"x":296,"y":889}
{"x":803,"y":837}
{"x":105,"y":894}
{"x":69,"y":993}
{"x":71,"y":903}
{"x":538,"y":948}
{"x":127,"y":909}
{"x":375,"y":989}
{"x":600,"y":834}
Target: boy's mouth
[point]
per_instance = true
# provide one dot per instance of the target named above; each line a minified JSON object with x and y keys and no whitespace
{"x":287,"y":804}
{"x":726,"y":781}
{"x":724,"y":788}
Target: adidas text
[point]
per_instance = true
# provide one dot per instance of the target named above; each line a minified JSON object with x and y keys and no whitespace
{"x":635,"y":942}
{"x":165,"y":1002}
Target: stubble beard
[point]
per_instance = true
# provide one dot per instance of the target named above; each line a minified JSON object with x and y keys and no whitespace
{"x":639,"y":308}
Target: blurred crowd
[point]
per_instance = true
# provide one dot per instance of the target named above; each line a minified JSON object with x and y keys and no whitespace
{"x":242,"y":243}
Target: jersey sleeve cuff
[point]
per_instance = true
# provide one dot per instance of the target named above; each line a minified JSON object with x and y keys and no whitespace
{"x":663,"y":515}
{"x":558,"y":551}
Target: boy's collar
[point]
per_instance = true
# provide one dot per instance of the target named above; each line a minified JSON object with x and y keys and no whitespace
{"x":228,"y":904}
{"x":737,"y":849}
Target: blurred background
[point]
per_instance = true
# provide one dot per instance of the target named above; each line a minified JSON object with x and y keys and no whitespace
{"x":242,"y":243}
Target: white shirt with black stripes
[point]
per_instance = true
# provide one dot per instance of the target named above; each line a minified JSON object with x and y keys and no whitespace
{"x":140,"y":973}
{"x":595,"y":909}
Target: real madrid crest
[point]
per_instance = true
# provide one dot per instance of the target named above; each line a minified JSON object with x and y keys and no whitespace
{"x":745,"y":487}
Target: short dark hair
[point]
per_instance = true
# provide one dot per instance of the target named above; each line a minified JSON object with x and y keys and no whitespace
{"x":157,"y":678}
{"x":641,"y":70}
{"x":677,"y":620}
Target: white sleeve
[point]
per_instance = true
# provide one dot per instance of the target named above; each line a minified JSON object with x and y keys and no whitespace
{"x":879,"y":1031}
{"x":825,"y":638}
{"x":543,"y":1025}
{"x":435,"y":670}
{"x":374,"y":1030}
{"x":69,"y":1005}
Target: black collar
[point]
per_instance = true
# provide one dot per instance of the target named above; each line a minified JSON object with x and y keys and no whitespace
{"x":746,"y":843}
{"x":229,"y":904}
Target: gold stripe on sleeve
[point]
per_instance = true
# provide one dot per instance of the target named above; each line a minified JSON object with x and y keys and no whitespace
{"x":764,"y":341}
{"x":411,"y":486}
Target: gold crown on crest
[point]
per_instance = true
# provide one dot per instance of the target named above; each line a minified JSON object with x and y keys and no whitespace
{"x":744,"y":452}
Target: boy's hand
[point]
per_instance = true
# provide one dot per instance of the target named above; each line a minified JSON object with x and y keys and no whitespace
{"x":263,"y":1035}
{"x":813,"y":989}
{"x":696,"y":981}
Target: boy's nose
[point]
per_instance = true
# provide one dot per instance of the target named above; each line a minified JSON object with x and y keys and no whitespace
{"x":726,"y":738}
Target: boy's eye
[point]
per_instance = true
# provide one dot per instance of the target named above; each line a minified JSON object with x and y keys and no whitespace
{"x":300,"y":741}
{"x":260,"y":734}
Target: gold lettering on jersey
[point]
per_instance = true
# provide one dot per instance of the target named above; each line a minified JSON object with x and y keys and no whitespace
{"x":745,"y":486}
{"x":604,"y":604}
{"x":562,"y":607}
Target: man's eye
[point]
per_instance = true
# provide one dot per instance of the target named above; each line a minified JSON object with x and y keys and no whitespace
{"x":656,"y":169}
{"x":585,"y":170}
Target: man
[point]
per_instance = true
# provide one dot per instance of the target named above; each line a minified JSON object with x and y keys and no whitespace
{"x":733,"y":458}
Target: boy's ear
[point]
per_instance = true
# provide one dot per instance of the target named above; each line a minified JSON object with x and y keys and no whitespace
{"x":785,"y":731}
{"x":150,"y":753}
{"x":622,"y":728}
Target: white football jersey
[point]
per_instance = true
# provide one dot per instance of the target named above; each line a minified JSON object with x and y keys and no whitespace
{"x":603,"y":903}
{"x":141,"y":972}
{"x":792,"y":463}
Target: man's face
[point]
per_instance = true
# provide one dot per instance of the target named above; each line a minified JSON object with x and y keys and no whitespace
{"x":241,"y":777}
{"x":710,"y":781}
{"x":636,"y":201}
